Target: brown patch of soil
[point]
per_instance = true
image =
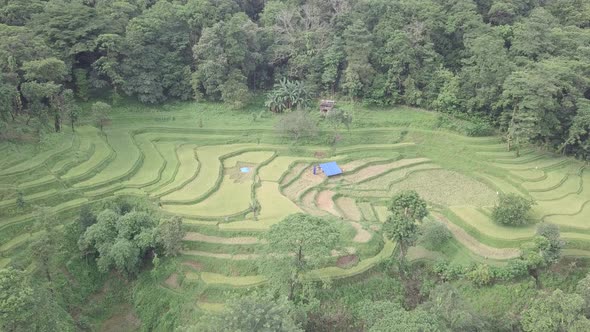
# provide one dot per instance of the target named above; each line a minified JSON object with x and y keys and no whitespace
{"x":362,"y":235}
{"x":325,"y":202}
{"x":172,"y":281}
{"x":319,"y":154}
{"x":347,"y":261}
{"x":194,"y":264}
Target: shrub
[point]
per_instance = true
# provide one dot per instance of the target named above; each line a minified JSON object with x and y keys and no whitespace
{"x":297,"y":125}
{"x":433,"y":235}
{"x":481,"y":275}
{"x":479,"y":129}
{"x":512,"y":210}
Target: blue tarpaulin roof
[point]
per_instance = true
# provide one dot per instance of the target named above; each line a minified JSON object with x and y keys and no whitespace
{"x":331,"y":168}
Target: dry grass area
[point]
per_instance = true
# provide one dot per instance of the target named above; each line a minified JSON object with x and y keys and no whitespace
{"x":375,"y":170}
{"x":295,"y":170}
{"x":447,"y":188}
{"x":348,"y":206}
{"x":305,"y":181}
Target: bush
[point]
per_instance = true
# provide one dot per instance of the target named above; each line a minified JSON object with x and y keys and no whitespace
{"x":297,"y":125}
{"x":479,"y":129}
{"x":433,"y":235}
{"x":480,"y":275}
{"x":512,"y":210}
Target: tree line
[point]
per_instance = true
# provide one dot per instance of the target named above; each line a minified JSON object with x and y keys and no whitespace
{"x":521,"y":64}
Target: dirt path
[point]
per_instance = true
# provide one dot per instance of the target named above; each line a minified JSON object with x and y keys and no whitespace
{"x":362,"y":236}
{"x":192,"y":236}
{"x":238,"y":257}
{"x":474,"y":245}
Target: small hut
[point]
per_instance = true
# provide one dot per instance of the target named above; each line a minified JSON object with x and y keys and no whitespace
{"x":326,"y":106}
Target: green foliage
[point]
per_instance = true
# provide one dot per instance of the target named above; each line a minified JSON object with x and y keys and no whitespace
{"x":169,"y":235}
{"x":557,"y":311}
{"x":433,"y":234}
{"x":408,"y":203}
{"x":447,"y":304}
{"x":253,"y":313}
{"x":512,"y":210}
{"x":287,"y":95}
{"x":297,"y":244}
{"x":101,"y":114}
{"x":82,"y":84}
{"x":16,"y":300}
{"x":406,"y":209}
{"x":481,"y":275}
{"x":297,"y":125}
{"x":121,"y":240}
{"x":381,"y":316}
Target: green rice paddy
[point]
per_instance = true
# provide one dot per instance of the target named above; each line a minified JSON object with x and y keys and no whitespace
{"x":194,"y":172}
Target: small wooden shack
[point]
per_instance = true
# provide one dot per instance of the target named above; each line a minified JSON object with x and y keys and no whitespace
{"x":326,"y":106}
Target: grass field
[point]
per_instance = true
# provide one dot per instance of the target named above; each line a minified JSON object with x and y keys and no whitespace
{"x":194,"y":172}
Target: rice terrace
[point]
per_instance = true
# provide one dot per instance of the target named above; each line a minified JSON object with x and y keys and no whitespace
{"x":213,"y":176}
{"x":294,"y":165}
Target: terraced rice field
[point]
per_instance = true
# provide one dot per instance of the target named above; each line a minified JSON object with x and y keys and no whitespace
{"x":195,"y":173}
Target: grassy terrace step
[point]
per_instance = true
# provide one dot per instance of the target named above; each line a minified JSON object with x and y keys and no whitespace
{"x":102,"y":155}
{"x":554,"y":179}
{"x":29,"y":199}
{"x":480,"y":226}
{"x":367,"y":211}
{"x":193,"y":236}
{"x":386,"y":181}
{"x":152,"y":167}
{"x":78,"y":154}
{"x":375,"y":170}
{"x":168,"y":152}
{"x":276,"y":168}
{"x":499,"y":184}
{"x":210,"y":170}
{"x":186,"y":171}
{"x":71,"y":205}
{"x":274,"y":205}
{"x":231,"y":198}
{"x":319,"y":274}
{"x":542,"y":163}
{"x":40,"y":160}
{"x":572,"y":185}
{"x":127,"y":161}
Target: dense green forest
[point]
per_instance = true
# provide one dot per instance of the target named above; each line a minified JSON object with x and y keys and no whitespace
{"x":522,"y":65}
{"x":159,"y":157}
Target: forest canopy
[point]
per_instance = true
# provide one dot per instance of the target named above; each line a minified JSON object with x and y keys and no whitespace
{"x":522,"y":65}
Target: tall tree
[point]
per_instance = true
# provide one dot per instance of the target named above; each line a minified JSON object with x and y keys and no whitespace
{"x":296,"y":245}
{"x":557,"y":311}
{"x":406,"y":209}
{"x":157,"y":54}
